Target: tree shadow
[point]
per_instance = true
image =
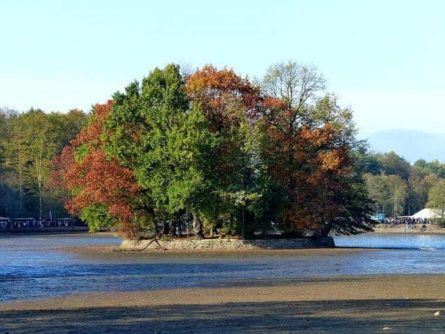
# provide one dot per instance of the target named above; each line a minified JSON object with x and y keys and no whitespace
{"x":362,"y":316}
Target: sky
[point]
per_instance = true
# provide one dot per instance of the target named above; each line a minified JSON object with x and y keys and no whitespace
{"x":384,"y":59}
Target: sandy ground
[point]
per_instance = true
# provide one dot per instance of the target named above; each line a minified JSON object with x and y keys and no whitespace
{"x":390,"y":304}
{"x":107,"y":250}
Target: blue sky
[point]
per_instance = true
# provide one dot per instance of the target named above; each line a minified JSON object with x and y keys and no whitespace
{"x":383,"y":58}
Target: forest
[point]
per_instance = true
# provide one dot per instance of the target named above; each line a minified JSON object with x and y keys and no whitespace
{"x":211,"y":151}
{"x":398,"y":188}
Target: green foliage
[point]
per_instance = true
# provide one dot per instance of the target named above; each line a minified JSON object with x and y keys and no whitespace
{"x":29,"y":142}
{"x":97,"y":218}
{"x":427,"y":168}
{"x":436,"y":197}
{"x":418,"y":187}
{"x":389,"y":193}
{"x":174,"y":147}
{"x":242,"y":159}
{"x":392,"y":164}
{"x":366,"y":163}
{"x":418,"y":180}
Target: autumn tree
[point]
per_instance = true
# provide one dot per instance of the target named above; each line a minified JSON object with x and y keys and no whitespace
{"x":102,"y":192}
{"x":238,"y":157}
{"x":311,"y":140}
{"x":239,"y":177}
{"x":234,"y":156}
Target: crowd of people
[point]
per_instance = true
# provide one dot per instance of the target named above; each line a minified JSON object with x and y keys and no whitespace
{"x":405,"y":221}
{"x":7,"y":224}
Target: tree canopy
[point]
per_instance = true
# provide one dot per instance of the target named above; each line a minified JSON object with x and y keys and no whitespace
{"x":209,"y":152}
{"x":234,"y":157}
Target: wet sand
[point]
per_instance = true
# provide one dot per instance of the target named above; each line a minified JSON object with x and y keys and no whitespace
{"x":103,"y":250}
{"x":366,"y":305}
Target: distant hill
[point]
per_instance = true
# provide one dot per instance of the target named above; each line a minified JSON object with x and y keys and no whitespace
{"x":410,"y":144}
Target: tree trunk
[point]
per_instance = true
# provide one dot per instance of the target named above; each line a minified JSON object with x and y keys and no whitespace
{"x":180,"y":227}
{"x":243,"y":223}
{"x":20,"y":170}
{"x":197,"y":227}
{"x":40,"y":202}
{"x":156,"y":228}
{"x":165,"y":228}
{"x":39,"y":174}
{"x":173,"y":226}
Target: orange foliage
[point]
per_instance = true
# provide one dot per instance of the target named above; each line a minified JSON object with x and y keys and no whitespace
{"x":309,"y":162}
{"x":95,"y":178}
{"x":226,"y":100}
{"x":91,"y":134}
{"x":222,"y":95}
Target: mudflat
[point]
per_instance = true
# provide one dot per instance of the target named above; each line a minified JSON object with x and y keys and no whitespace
{"x":159,"y":253}
{"x":384,"y":303}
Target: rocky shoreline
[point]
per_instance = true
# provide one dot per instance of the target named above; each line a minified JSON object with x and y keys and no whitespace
{"x":226,"y":244}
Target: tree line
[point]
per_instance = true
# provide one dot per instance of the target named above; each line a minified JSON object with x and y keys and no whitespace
{"x":208,"y":149}
{"x":398,"y":188}
{"x":29,"y":142}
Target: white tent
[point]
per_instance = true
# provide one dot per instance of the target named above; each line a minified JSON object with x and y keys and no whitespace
{"x":426,"y":214}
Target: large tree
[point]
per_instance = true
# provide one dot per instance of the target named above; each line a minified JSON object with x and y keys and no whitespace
{"x":239,"y":179}
{"x":311,"y":140}
{"x":157,"y":133}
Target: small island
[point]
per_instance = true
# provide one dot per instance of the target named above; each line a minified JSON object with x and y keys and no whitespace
{"x":213,"y":155}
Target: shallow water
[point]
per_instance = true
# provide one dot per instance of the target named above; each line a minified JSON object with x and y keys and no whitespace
{"x":31,"y":266}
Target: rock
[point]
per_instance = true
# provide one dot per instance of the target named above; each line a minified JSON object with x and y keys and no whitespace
{"x":437,"y":314}
{"x":386,"y":328}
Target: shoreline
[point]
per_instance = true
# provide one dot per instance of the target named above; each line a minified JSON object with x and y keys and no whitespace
{"x":381,"y":286}
{"x":104,"y":250}
{"x":219,"y":244}
{"x":410,"y":229}
{"x":367,"y":304}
